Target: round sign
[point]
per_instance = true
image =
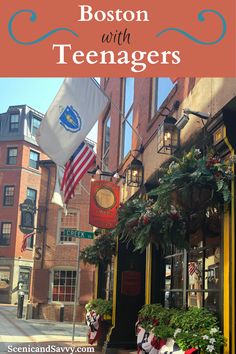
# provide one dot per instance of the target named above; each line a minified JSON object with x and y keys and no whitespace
{"x":105,"y":198}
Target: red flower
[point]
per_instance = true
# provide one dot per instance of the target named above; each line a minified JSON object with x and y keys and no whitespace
{"x":146,"y":220}
{"x":175,"y":216}
{"x":155,"y":322}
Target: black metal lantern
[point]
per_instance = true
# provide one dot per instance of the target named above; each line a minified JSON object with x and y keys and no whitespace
{"x":168,"y":137}
{"x":134,"y":174}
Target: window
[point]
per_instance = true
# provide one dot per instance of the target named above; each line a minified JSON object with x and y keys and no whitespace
{"x":5,"y":236}
{"x":5,"y":279}
{"x":34,"y":159}
{"x":31,"y":194}
{"x":8,"y":199}
{"x":162,"y":86}
{"x":14,"y":122}
{"x":64,"y":285}
{"x":106,"y":142}
{"x":192,"y":277}
{"x":12,"y":156}
{"x":69,"y":221}
{"x":35,"y":123}
{"x":127,"y":116}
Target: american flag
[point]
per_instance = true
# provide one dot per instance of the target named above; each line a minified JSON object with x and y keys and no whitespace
{"x":75,"y":168}
{"x":25,"y":238}
{"x":192,"y":268}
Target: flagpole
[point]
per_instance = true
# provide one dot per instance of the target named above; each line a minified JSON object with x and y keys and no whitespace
{"x":77,"y":293}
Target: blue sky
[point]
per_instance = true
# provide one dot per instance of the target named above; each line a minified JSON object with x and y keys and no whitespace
{"x":37,"y":93}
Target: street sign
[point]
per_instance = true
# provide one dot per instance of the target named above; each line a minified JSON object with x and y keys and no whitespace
{"x":78,"y":233}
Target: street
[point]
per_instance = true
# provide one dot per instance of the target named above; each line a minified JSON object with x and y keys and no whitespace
{"x":38,"y":336}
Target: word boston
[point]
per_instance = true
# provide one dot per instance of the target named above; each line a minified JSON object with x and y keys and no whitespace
{"x":87,"y":14}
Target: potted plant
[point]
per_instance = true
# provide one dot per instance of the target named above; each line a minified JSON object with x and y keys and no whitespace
{"x":195,"y":182}
{"x":193,"y":329}
{"x":197,"y":328}
{"x":98,"y":319}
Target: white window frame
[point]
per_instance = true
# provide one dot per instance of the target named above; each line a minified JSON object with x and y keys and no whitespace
{"x":32,"y":126}
{"x":59,"y":216}
{"x":51,"y":277}
{"x":37,"y":165}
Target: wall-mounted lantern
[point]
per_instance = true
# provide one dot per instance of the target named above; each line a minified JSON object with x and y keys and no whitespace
{"x":167,"y":137}
{"x":134,"y":174}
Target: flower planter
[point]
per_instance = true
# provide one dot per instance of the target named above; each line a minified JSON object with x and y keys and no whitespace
{"x":192,"y":198}
{"x":104,"y":328}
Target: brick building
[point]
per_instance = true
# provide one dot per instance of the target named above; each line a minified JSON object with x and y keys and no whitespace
{"x":129,"y":130}
{"x":20,"y":178}
{"x":50,"y":257}
{"x":55,"y":263}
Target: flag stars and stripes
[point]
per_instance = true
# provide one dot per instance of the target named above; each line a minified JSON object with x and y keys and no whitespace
{"x":79,"y":163}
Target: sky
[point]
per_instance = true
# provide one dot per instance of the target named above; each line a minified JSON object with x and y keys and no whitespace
{"x":37,"y":93}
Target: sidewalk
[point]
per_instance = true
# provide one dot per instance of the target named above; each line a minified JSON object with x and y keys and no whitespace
{"x":22,"y":333}
{"x":37,"y":333}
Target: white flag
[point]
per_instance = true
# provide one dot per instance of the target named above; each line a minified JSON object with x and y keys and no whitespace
{"x":73,"y":112}
{"x":58,"y":197}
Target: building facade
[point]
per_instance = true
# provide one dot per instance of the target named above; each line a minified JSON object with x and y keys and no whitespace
{"x":48,"y":265}
{"x":58,"y":276}
{"x":131,"y":130}
{"x":20,"y":177}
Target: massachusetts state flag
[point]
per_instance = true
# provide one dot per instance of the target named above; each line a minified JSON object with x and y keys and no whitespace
{"x":79,"y":163}
{"x":70,"y":117}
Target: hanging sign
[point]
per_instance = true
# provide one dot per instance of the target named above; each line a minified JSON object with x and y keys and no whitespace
{"x":104,"y":202}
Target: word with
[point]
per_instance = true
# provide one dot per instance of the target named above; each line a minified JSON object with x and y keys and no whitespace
{"x":117,"y":37}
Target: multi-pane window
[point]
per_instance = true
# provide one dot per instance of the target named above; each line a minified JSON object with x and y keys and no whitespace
{"x":5,"y":278}
{"x":12,"y":156}
{"x":35,"y":123}
{"x":34,"y":159}
{"x":14,"y":122}
{"x":31,"y":194}
{"x":64,"y":282}
{"x":127,"y":116}
{"x":192,"y":277}
{"x":68,"y":221}
{"x":8,"y":197}
{"x":5,"y":235}
{"x":161,"y":87}
{"x":106,"y":142}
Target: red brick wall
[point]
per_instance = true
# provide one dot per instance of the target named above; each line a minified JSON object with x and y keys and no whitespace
{"x":145,"y":125}
{"x":21,"y":176}
{"x":61,"y":255}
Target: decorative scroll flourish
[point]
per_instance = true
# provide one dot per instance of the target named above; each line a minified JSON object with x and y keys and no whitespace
{"x":33,"y":18}
{"x":201,"y":18}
